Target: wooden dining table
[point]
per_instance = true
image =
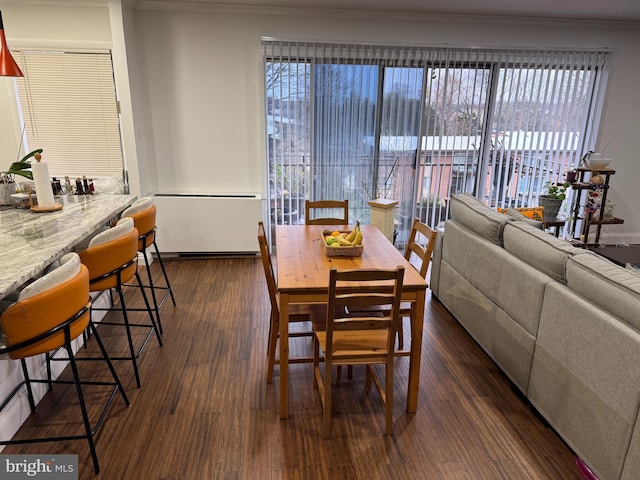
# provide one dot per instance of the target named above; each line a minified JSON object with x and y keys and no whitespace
{"x":303,"y":277}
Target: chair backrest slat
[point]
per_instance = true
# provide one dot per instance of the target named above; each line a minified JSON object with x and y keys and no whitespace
{"x":350,"y":290}
{"x":424,"y":253}
{"x":310,"y":206}
{"x":362,"y":323}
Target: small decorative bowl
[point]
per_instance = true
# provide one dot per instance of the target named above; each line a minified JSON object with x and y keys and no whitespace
{"x":602,"y":163}
{"x":597,"y":160}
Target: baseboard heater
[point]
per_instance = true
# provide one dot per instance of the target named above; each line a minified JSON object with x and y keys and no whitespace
{"x":208,"y":223}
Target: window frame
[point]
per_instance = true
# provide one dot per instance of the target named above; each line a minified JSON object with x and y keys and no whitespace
{"x":67,"y":105}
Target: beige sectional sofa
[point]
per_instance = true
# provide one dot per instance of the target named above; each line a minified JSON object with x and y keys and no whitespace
{"x":561,"y":322}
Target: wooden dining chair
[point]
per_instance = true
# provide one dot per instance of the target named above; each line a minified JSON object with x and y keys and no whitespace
{"x":359,"y":340}
{"x":310,"y":314}
{"x":417,"y":250}
{"x":418,"y":253}
{"x":318,"y":205}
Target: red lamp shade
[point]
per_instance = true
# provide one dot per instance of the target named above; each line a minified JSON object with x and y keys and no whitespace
{"x":8,"y":66}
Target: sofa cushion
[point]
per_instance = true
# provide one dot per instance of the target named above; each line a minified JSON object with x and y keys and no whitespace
{"x":476,"y":216}
{"x":512,"y":284}
{"x":504,"y":339}
{"x":520,"y":217}
{"x":539,"y":249}
{"x":585,"y":378}
{"x":611,"y":287}
{"x":534,"y":213}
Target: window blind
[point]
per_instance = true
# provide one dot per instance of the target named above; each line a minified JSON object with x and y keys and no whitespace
{"x":68,"y":106}
{"x":420,"y":124}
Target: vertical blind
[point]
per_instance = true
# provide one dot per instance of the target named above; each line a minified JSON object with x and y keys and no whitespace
{"x":68,"y":106}
{"x":543,"y":119}
{"x":418,"y":125}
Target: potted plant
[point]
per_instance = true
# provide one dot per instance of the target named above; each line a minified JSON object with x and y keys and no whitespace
{"x":552,"y":197}
{"x":7,"y":178}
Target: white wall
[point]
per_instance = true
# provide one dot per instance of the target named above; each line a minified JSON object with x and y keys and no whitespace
{"x":206,"y":102}
{"x":144,"y":160}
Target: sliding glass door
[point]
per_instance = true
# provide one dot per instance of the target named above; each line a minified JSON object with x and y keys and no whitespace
{"x":366,"y":121}
{"x":344,"y":117}
{"x":456,"y":102}
{"x":419,"y":125}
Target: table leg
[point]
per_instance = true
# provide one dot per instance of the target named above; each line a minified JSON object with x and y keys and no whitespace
{"x":284,"y":356}
{"x":417,"y":320}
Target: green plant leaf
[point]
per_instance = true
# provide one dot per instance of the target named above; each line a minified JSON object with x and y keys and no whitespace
{"x":24,"y":173}
{"x":23,"y":166}
{"x":19,"y":166}
{"x":30,"y":154}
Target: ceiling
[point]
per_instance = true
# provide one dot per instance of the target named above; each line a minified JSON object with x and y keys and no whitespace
{"x":600,"y":10}
{"x":627,"y":11}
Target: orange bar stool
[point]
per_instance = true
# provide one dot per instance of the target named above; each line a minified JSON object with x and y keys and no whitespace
{"x":143,"y":213}
{"x":50,"y":313}
{"x":112,"y":260}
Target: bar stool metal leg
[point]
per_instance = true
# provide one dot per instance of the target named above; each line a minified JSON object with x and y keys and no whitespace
{"x":83,"y":407}
{"x":164,"y":272}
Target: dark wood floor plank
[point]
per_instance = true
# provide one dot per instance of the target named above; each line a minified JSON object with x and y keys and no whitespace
{"x":204,"y":410}
{"x":455,"y":471}
{"x":509,"y":469}
{"x":466,"y":438}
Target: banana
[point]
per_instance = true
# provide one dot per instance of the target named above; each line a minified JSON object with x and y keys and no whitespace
{"x":342,"y":240}
{"x":358,"y":239}
{"x":352,"y":235}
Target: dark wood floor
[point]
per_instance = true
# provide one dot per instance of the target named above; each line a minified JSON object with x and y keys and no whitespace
{"x":205,"y":411}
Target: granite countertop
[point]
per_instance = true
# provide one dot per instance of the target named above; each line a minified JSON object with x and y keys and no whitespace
{"x":30,"y":241}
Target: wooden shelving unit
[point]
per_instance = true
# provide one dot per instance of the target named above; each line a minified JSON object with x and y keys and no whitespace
{"x":587,"y":219}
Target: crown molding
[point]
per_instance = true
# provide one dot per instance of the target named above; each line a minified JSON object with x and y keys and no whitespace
{"x":214,"y":6}
{"x":61,"y":3}
{"x":196,"y":6}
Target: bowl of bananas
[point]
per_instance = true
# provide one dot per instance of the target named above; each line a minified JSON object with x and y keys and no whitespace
{"x":343,"y":243}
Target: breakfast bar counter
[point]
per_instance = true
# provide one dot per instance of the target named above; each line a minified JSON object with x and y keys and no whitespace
{"x":31,"y":241}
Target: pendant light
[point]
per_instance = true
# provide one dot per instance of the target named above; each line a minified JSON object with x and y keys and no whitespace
{"x":8,"y":66}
